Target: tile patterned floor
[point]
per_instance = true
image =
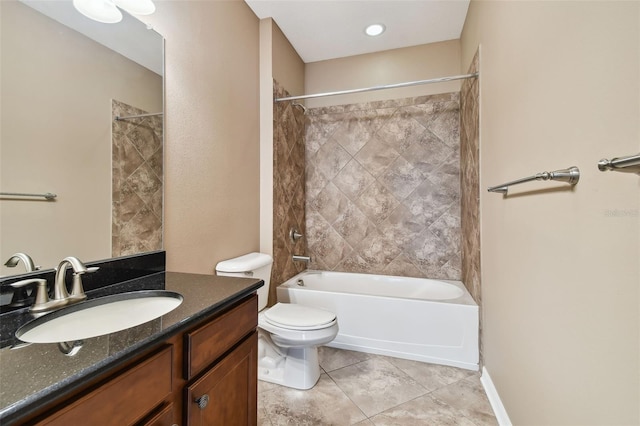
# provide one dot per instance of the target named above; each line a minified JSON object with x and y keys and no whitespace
{"x":363,"y":389}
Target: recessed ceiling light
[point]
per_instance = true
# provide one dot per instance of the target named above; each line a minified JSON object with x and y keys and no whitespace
{"x":374,"y":30}
{"x":106,"y":11}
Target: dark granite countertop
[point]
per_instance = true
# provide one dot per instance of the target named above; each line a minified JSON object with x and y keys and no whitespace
{"x":34,"y":375}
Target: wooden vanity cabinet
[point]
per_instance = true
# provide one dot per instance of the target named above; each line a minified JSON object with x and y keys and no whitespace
{"x":204,"y":376}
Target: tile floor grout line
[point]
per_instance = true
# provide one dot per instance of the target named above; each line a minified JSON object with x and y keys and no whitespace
{"x":348,"y":397}
{"x":388,"y":361}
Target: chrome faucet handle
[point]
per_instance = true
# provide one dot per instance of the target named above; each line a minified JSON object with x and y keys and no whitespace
{"x":77,"y":291}
{"x":42,"y":302}
{"x":294,"y":235}
{"x":41,"y":292}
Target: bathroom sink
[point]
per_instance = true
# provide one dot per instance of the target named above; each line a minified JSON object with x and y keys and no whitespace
{"x":97,"y":317}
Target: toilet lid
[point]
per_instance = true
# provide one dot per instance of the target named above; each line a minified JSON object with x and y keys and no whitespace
{"x":290,"y":315}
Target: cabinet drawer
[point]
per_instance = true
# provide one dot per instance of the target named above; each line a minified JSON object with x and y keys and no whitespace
{"x":124,"y":399}
{"x":205,"y":344}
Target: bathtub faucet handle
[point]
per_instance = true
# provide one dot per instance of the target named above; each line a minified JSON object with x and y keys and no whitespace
{"x":294,"y":235}
{"x":306,"y":259}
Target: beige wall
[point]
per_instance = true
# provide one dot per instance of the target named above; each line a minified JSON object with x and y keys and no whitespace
{"x":212,"y":131}
{"x":560,"y":269}
{"x":57,"y":87}
{"x":266,"y":135}
{"x":381,"y":68}
{"x":288,"y":68}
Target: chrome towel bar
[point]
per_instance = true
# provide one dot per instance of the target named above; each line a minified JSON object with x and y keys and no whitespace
{"x":630,"y":164}
{"x":47,"y":196}
{"x":570,"y":176}
{"x":119,"y":118}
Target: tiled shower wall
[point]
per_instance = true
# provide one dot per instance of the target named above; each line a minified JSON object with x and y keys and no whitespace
{"x":470,"y":185}
{"x":470,"y":165}
{"x":383,"y":187}
{"x":136,"y":182}
{"x":288,"y":189}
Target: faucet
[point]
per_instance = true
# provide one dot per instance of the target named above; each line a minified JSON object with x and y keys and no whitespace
{"x":61,"y":297}
{"x":297,"y":258}
{"x":26,"y":259}
{"x":60,"y":286}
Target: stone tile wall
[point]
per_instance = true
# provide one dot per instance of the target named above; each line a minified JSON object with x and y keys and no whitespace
{"x":470,"y":185}
{"x":137,"y":182}
{"x":470,"y":182}
{"x":288,"y":189}
{"x":383,"y":187}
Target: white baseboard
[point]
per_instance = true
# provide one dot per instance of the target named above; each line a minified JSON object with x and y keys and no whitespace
{"x":494,"y":399}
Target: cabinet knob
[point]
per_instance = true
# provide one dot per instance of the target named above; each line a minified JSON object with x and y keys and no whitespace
{"x":203,"y":401}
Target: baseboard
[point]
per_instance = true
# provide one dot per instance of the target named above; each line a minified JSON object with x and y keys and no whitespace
{"x":494,"y":399}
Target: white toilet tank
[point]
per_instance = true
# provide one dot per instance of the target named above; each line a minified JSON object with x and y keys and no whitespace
{"x":252,"y":265}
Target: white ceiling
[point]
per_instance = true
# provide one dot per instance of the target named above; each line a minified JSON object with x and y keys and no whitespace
{"x":130,"y":37}
{"x":328,"y":29}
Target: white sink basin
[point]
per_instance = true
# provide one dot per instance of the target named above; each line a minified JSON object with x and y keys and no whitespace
{"x":100,"y":316}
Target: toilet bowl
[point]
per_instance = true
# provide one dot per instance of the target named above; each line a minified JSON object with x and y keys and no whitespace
{"x":288,"y":334}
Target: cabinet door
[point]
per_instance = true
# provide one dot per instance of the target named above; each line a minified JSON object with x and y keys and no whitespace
{"x":163,"y":417}
{"x":226,"y":394}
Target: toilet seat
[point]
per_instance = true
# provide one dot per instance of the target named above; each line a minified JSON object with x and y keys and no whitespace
{"x":297,"y":317}
{"x":286,"y":337}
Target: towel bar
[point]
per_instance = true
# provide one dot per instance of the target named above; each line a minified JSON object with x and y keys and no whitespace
{"x":570,"y":176}
{"x":629,"y":164}
{"x":47,"y":196}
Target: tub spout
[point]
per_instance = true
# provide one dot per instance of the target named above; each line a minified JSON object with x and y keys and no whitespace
{"x":306,"y":259}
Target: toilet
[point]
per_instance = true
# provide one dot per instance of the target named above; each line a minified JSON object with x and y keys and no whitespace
{"x":288,"y":334}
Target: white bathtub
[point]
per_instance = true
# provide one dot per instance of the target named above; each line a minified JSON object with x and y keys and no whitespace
{"x":412,"y":318}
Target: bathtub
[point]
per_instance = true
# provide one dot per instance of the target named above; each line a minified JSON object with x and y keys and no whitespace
{"x":412,"y":318}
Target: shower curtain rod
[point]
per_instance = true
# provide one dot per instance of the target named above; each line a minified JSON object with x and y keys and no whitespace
{"x":371,"y":89}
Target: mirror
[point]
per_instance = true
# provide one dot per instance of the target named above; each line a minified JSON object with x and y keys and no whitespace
{"x":61,"y":91}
